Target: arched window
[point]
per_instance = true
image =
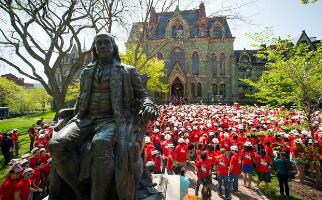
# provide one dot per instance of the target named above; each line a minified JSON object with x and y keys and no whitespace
{"x":222,"y":65}
{"x":195,"y":63}
{"x":213,"y":62}
{"x":217,"y":32}
{"x":159,"y":56}
{"x":174,"y":31}
{"x":214,"y":89}
{"x":177,"y":56}
{"x":180,"y":31}
{"x":222,"y":89}
{"x":193,"y":90}
{"x":199,"y":90}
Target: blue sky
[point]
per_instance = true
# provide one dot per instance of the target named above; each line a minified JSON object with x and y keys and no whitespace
{"x":286,"y":17}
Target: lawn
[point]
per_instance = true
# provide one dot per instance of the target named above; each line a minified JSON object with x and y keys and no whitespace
{"x":274,"y":190}
{"x":22,"y":124}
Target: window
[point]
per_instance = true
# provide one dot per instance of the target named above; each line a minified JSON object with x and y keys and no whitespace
{"x":217,"y":32}
{"x":174,"y":31}
{"x":214,"y":89}
{"x":199,"y":90}
{"x":213,"y":62}
{"x":177,"y":56}
{"x":222,"y":65}
{"x":222,"y":89}
{"x":193,"y":90}
{"x":244,"y":59}
{"x":180,"y":32}
{"x":160,"y":56}
{"x":195,"y":63}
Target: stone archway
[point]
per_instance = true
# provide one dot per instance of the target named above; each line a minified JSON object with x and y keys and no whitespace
{"x":177,"y":88}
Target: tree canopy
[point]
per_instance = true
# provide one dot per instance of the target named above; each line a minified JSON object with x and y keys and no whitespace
{"x":293,"y":74}
{"x":154,"y":68}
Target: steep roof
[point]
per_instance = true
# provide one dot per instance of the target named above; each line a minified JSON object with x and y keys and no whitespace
{"x":191,"y":16}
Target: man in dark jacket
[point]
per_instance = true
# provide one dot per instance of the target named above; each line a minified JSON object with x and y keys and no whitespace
{"x":6,"y":148}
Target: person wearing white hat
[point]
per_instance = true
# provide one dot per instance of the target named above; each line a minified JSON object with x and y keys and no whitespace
{"x":157,"y":160}
{"x":298,"y":157}
{"x":148,"y":148}
{"x":170,"y":158}
{"x":234,"y":168}
{"x":181,"y":152}
{"x":247,"y":156}
{"x":24,"y":187}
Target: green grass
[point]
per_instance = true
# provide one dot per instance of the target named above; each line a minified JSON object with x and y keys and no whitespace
{"x":274,"y":190}
{"x":22,"y":124}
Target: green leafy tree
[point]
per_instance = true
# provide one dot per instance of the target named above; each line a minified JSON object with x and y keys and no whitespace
{"x":293,"y":75}
{"x":40,"y":99}
{"x":308,"y":1}
{"x":73,"y":92}
{"x":153,"y":67}
{"x":8,"y":91}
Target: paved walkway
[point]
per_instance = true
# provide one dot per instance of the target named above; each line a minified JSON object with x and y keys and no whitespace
{"x":244,"y":193}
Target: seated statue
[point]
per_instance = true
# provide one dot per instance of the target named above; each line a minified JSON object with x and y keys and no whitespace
{"x":97,"y":155}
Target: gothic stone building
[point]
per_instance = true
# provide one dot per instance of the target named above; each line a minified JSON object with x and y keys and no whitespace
{"x":201,"y":63}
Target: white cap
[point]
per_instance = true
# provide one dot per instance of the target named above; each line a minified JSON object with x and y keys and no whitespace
{"x":170,"y":145}
{"x":156,"y":130}
{"x":181,"y":140}
{"x":215,"y":141}
{"x":167,"y":136}
{"x":234,"y":148}
{"x":299,"y":141}
{"x":147,"y":139}
{"x":211,"y":133}
{"x":155,"y":152}
{"x":248,"y":144}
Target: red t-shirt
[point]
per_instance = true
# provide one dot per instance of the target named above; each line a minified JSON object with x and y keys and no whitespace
{"x":36,"y":177}
{"x":247,"y":157}
{"x":157,"y":162}
{"x":23,"y":186}
{"x":7,"y":189}
{"x":235,"y":164}
{"x":14,"y":137}
{"x":181,"y":153}
{"x":33,"y":161}
{"x":148,"y":152}
{"x":224,"y":143}
{"x":211,"y":157}
{"x":203,"y":169}
{"x":222,"y":163}
{"x":269,"y":151}
{"x":262,"y":163}
{"x":170,"y":161}
{"x":45,"y":171}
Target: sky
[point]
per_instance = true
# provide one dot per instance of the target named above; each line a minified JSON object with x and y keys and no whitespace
{"x":285,"y":17}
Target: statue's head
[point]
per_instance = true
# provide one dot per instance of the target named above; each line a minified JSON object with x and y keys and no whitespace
{"x":104,"y":47}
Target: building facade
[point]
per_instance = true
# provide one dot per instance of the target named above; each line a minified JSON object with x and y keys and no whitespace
{"x":201,"y":63}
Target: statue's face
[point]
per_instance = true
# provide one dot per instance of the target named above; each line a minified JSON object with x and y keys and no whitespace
{"x":104,"y":47}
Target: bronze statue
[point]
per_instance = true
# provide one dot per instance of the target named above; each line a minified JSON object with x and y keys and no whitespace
{"x":111,"y":111}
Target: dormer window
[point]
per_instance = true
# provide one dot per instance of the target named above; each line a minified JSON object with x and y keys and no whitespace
{"x":218,"y":32}
{"x":177,"y":30}
{"x":180,"y":32}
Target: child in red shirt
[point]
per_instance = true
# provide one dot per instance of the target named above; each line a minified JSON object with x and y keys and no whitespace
{"x":170,"y":159}
{"x":203,"y":172}
{"x":234,"y":168}
{"x":263,"y":163}
{"x":157,"y":161}
{"x":222,"y":163}
{"x":8,"y":186}
{"x":247,"y":156}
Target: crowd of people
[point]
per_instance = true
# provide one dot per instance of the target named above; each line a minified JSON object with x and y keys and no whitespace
{"x":219,"y":141}
{"x":227,"y":141}
{"x":27,"y":177}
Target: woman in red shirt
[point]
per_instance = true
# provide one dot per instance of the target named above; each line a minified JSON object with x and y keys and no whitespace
{"x":234,"y":167}
{"x":263,"y":162}
{"x":247,"y":155}
{"x":203,"y":170}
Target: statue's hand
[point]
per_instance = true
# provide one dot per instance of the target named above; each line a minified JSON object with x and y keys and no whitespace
{"x":148,"y":112}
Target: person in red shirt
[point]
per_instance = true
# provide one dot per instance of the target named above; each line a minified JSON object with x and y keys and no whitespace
{"x":203,"y":170}
{"x":268,"y":149}
{"x":148,"y":147}
{"x":263,"y":163}
{"x":170,"y":159}
{"x":181,"y":152}
{"x":247,"y":155}
{"x":36,"y":180}
{"x":35,"y":157}
{"x":15,"y":136}
{"x":234,"y":168}
{"x":157,"y":161}
{"x":222,"y":163}
{"x":8,"y":186}
{"x":24,"y":187}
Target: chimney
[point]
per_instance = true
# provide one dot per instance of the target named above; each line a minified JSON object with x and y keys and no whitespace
{"x":202,"y":11}
{"x":152,"y":22}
